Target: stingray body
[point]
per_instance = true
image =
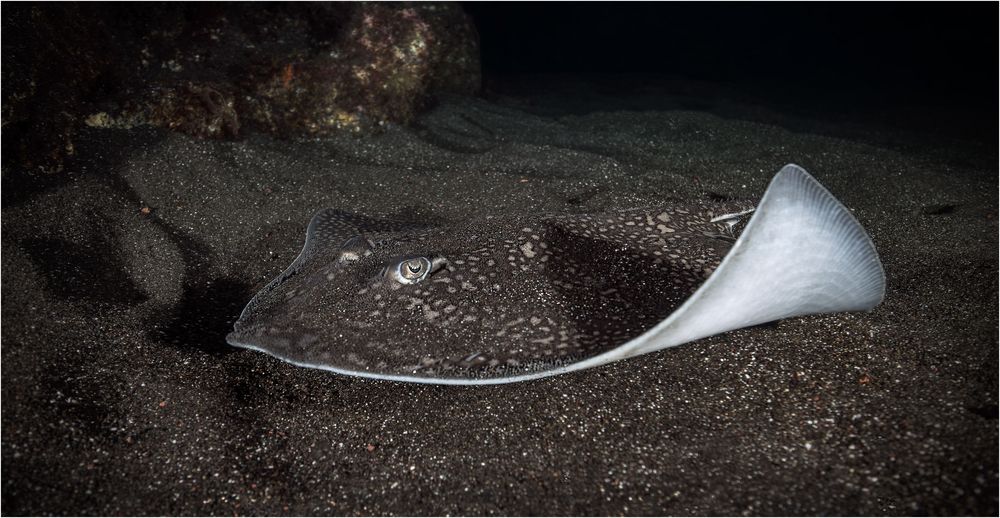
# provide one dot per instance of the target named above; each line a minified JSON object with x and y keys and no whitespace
{"x":516,"y":298}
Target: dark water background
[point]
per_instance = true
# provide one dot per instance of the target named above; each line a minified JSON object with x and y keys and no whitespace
{"x":870,"y":62}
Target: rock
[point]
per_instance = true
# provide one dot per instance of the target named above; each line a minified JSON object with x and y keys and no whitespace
{"x":202,"y":110}
{"x":53,"y":57}
{"x":386,"y":64}
{"x":217,"y":70}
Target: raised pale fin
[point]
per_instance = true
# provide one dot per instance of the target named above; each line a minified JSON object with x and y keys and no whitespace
{"x":802,"y":253}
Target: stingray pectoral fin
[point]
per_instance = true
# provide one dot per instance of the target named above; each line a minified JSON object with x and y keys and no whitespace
{"x":802,"y":253}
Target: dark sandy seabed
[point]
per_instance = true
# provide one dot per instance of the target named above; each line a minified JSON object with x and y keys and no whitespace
{"x":120,"y":395}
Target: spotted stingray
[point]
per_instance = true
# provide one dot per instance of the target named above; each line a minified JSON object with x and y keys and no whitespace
{"x":515,"y":298}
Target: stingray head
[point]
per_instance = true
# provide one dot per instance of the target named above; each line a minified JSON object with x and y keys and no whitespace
{"x":421,"y":302}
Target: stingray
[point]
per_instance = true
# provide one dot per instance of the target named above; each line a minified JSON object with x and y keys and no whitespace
{"x":515,"y":298}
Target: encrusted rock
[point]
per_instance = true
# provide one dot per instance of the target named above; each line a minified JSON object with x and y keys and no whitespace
{"x":53,"y":58}
{"x":217,"y":70}
{"x":383,"y":67}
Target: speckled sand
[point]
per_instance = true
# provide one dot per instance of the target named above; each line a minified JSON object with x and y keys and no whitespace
{"x":121,"y":279}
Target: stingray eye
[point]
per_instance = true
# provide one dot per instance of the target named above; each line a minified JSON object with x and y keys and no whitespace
{"x":412,"y":268}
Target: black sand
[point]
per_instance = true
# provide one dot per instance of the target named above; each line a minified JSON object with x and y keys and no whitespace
{"x":121,"y":279}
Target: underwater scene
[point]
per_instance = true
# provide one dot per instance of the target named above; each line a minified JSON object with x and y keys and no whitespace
{"x":478,"y":258}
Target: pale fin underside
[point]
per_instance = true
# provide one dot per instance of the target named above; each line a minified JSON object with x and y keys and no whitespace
{"x":802,"y":253}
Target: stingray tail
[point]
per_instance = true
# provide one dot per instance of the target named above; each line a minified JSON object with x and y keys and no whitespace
{"x":801,"y":253}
